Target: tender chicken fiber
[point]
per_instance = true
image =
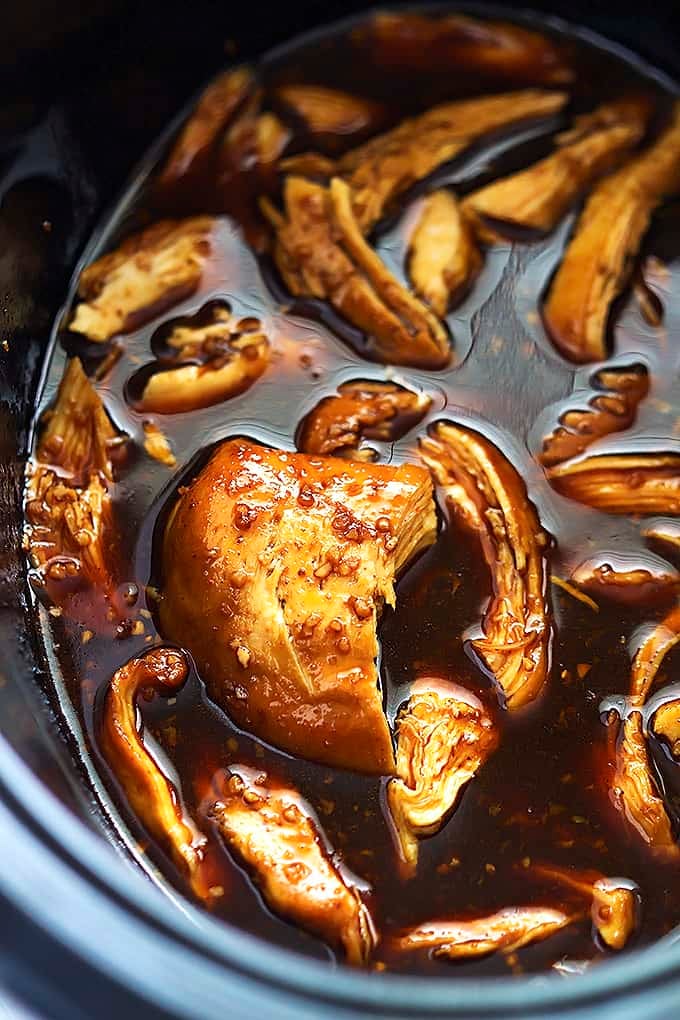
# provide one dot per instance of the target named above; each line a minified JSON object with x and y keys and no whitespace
{"x":607,"y":237}
{"x":148,"y":273}
{"x":485,"y":492}
{"x":148,"y":791}
{"x":443,"y":257}
{"x":506,"y":931}
{"x":273,"y":831}
{"x":622,"y":483}
{"x":537,"y":198}
{"x":444,"y":736}
{"x":276,"y":569}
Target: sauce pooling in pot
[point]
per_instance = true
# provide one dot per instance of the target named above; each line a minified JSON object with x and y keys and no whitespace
{"x":566,"y":453}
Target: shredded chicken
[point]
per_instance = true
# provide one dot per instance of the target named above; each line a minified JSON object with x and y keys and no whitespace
{"x":149,"y":792}
{"x":276,"y":569}
{"x":537,"y":198}
{"x":386,"y":166}
{"x":214,"y":110}
{"x":506,"y":931}
{"x":321,"y":253}
{"x":652,"y":652}
{"x":408,"y":41}
{"x":253,"y":142}
{"x":443,"y":257}
{"x":607,"y":237}
{"x":228,"y":357}
{"x":148,"y":273}
{"x":361,"y":410}
{"x":629,"y":582}
{"x":444,"y":736}
{"x":485,"y":492}
{"x":622,"y":483}
{"x":665,"y":724}
{"x":612,"y":408}
{"x":273,"y":831}
{"x":68,"y":507}
{"x":614,"y":902}
{"x":331,"y":115}
{"x":157,"y":444}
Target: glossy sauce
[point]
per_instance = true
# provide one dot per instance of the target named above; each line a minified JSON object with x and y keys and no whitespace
{"x":542,"y":796}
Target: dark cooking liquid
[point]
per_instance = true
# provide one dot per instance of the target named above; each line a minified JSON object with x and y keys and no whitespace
{"x":542,"y":796}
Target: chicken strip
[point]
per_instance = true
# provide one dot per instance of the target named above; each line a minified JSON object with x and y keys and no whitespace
{"x":320,"y":252}
{"x":485,"y":492}
{"x":419,"y":42}
{"x":443,"y":257}
{"x":386,"y":166}
{"x":444,"y":736}
{"x":149,"y":792}
{"x":277,"y":566}
{"x":68,"y":507}
{"x":607,"y":237}
{"x":622,"y":483}
{"x":361,"y":410}
{"x":148,"y":273}
{"x":614,"y":902}
{"x":612,"y":408}
{"x":651,"y":654}
{"x":273,"y":831}
{"x":537,"y":198}
{"x":330,"y":116}
{"x":506,"y":931}
{"x":628,"y":581}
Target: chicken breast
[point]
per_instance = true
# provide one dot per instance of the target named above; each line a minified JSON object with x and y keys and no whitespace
{"x":276,"y":568}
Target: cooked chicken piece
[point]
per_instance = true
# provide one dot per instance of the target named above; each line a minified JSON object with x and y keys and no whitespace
{"x":612,"y":408}
{"x":652,"y":652}
{"x":628,"y":580}
{"x":444,"y":736}
{"x":537,"y":198}
{"x":665,"y":724}
{"x":200,"y":133}
{"x":321,"y":253}
{"x":634,"y":792}
{"x":230,"y":357}
{"x":487,"y":495}
{"x":665,"y":533}
{"x":607,"y":237}
{"x":419,"y":42}
{"x":273,"y":831}
{"x":622,"y":483}
{"x":148,"y":791}
{"x":308,"y":164}
{"x":506,"y":931}
{"x":157,"y":444}
{"x":147,"y":274}
{"x":443,"y":257}
{"x":331,"y":115}
{"x":255,"y":141}
{"x":386,"y":166}
{"x":68,"y":506}
{"x":361,"y":410}
{"x":614,"y":902}
{"x":276,"y":568}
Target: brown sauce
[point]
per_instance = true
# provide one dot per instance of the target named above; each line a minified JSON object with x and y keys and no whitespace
{"x":542,"y":796}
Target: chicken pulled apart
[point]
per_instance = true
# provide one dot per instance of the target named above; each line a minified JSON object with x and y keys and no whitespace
{"x":274,"y":832}
{"x":507,"y":930}
{"x":443,"y":257}
{"x":598,"y":259}
{"x":276,"y":567}
{"x":218,"y":357}
{"x":444,"y":736}
{"x":68,"y":506}
{"x":330,"y":116}
{"x":149,"y":792}
{"x":320,"y":252}
{"x":612,"y":408}
{"x":627,"y":580}
{"x":486,"y":494}
{"x":361,"y":409}
{"x":614,"y":903}
{"x":148,"y":273}
{"x":418,"y":42}
{"x":622,"y":483}
{"x":537,"y":198}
